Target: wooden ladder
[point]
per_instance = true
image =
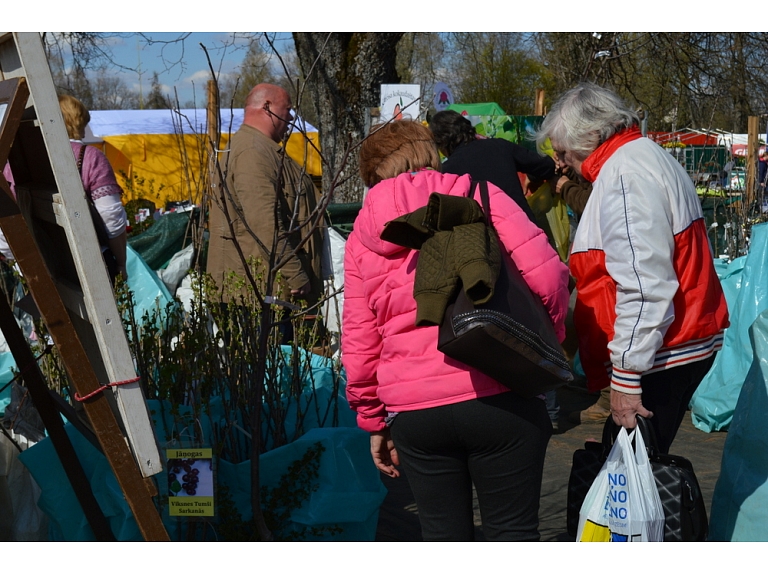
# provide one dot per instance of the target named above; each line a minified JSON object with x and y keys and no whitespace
{"x":49,"y":229}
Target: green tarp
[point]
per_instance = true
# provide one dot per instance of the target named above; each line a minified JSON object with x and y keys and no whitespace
{"x":478,"y":109}
{"x":163,"y":240}
{"x":342,"y":216}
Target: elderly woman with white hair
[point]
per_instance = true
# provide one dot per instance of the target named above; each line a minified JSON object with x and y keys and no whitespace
{"x":650,"y":312}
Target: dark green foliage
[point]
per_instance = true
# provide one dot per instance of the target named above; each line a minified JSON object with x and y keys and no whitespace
{"x":132,"y":208}
{"x":156,"y":100}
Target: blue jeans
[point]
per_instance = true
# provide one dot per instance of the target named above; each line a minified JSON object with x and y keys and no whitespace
{"x":496,"y":443}
{"x":553,"y":407}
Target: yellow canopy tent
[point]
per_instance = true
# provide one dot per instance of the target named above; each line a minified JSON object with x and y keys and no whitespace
{"x":161,"y":155}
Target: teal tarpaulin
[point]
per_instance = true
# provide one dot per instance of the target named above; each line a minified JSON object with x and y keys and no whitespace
{"x":6,"y":375}
{"x":348,"y":496}
{"x":740,"y":502}
{"x":349,"y":489}
{"x":745,"y":283}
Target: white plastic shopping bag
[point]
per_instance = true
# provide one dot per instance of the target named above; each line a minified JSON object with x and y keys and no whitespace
{"x":634,"y":507}
{"x":593,"y":516}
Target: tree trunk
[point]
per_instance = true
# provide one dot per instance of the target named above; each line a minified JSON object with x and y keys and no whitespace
{"x":344,"y":71}
{"x":741,"y":106}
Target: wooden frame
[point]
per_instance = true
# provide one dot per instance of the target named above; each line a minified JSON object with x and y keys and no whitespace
{"x":90,"y":341}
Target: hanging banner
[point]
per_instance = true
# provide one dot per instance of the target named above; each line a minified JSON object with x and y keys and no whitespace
{"x":399,"y":102}
{"x":443,"y":96}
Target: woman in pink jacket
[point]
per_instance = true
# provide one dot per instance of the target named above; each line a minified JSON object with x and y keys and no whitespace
{"x":448,"y":424}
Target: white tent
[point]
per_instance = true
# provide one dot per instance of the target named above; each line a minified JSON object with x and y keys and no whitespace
{"x":188,"y":121}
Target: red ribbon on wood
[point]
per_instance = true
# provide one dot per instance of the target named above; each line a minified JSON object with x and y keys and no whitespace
{"x":105,"y":386}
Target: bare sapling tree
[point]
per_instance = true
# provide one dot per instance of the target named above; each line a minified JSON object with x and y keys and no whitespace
{"x":276,"y":256}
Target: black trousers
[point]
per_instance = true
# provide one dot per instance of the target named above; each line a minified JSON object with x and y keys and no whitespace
{"x":496,"y":443}
{"x":667,"y":394}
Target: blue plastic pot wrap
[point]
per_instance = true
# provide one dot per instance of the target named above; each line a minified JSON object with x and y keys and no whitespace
{"x":349,"y":488}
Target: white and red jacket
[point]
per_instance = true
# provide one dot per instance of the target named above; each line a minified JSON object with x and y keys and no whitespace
{"x":648,"y":295}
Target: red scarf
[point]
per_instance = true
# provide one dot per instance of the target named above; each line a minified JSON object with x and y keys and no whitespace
{"x":591,"y":167}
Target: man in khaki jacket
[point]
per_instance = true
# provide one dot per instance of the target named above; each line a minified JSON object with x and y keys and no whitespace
{"x":275,"y":197}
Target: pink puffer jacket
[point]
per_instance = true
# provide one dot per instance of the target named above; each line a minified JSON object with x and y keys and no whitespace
{"x":391,"y":364}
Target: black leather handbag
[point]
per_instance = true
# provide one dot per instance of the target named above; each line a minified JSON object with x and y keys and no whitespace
{"x":685,"y":515}
{"x":684,"y":511}
{"x":585,"y":466}
{"x":509,"y":338}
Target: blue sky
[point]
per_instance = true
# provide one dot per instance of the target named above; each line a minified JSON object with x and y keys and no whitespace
{"x":182,"y":66}
{"x":167,"y":20}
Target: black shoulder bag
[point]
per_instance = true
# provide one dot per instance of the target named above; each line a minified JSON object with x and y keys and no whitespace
{"x":509,"y":338}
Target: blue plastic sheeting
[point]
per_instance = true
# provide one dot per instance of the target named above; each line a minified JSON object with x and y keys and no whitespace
{"x":6,"y":375}
{"x":350,"y":491}
{"x":745,"y":283}
{"x":149,"y":292}
{"x":349,"y":494}
{"x":740,"y":501}
{"x":315,"y":406}
{"x":67,"y":521}
{"x":317,"y":396}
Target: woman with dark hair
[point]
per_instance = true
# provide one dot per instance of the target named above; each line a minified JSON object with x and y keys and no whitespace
{"x":492,"y":159}
{"x":449,"y":425}
{"x":650,"y":311}
{"x":451,"y":130}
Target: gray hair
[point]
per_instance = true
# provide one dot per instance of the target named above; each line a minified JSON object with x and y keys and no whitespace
{"x":583,"y":118}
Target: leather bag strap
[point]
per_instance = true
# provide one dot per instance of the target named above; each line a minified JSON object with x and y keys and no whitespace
{"x":80,"y":158}
{"x":485,"y":201}
{"x":611,"y":430}
{"x":649,"y":435}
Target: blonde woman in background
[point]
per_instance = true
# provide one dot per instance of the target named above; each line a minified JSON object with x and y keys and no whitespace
{"x":99,"y":183}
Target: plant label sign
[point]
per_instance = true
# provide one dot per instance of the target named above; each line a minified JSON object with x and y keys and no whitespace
{"x":190,"y":482}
